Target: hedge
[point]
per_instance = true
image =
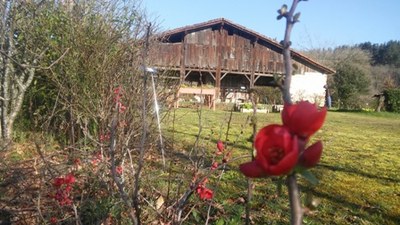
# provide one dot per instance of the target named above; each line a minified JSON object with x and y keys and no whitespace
{"x":392,"y":100}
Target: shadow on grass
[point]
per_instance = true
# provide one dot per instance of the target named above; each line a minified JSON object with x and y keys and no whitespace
{"x":231,"y":144}
{"x":358,"y":172}
{"x":341,"y":202}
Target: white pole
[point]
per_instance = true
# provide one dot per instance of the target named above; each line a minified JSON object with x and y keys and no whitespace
{"x":157,"y":111}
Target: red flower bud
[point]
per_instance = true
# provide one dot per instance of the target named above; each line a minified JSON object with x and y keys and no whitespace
{"x":77,"y":161}
{"x":53,"y":220}
{"x":303,"y":119}
{"x":220,"y":146}
{"x":58,"y":181}
{"x":119,"y":170}
{"x":214,"y":166}
{"x":252,"y":169}
{"x":277,"y":153}
{"x":68,"y":188}
{"x":69,"y":179}
{"x":311,"y":155}
{"x":204,"y":193}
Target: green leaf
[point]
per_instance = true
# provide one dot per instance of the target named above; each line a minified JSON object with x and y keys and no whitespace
{"x":220,"y":222}
{"x":296,"y":17}
{"x":310,"y":177}
{"x":196,"y":215}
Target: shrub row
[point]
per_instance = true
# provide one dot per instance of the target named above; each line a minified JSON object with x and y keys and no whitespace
{"x":392,"y":100}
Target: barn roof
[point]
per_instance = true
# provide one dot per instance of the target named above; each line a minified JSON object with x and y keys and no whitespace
{"x":178,"y":33}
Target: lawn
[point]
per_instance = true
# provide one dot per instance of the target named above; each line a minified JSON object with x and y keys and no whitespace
{"x":358,"y":173}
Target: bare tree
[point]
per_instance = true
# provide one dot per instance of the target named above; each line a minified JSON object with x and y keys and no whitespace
{"x":22,"y":46}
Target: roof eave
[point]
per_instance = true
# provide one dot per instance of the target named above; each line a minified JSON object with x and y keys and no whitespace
{"x":223,"y":22}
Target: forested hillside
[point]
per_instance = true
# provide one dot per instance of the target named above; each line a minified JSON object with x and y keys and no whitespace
{"x":364,"y":72}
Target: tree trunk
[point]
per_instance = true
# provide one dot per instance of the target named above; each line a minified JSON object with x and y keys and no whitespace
{"x":16,"y":76}
{"x":381,"y":103}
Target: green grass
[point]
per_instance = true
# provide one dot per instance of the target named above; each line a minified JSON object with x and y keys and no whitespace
{"x":359,"y":171}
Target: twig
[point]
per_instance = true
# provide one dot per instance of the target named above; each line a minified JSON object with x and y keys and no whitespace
{"x":215,"y":190}
{"x":190,"y":211}
{"x":229,"y":125}
{"x":47,"y":165}
{"x":38,"y":204}
{"x":77,"y":220}
{"x":200,"y":113}
{"x":286,"y":52}
{"x":144,"y":134}
{"x":249,"y":181}
{"x":113,"y":142}
{"x":294,"y":198}
{"x":57,"y":60}
{"x":294,"y":195}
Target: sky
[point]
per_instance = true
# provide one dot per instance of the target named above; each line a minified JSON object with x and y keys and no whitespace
{"x":323,"y":23}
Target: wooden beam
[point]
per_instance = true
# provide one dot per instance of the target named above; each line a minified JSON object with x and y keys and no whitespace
{"x":187,"y":74}
{"x":248,"y":77}
{"x":220,"y":42}
{"x":253,"y":63}
{"x":182,"y":59}
{"x":226,"y":73}
{"x":212,"y":75}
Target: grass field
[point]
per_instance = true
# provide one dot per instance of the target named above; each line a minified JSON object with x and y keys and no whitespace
{"x":359,"y":171}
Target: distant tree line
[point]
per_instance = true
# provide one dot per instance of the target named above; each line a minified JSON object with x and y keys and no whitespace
{"x":383,"y":54}
{"x":364,"y":72}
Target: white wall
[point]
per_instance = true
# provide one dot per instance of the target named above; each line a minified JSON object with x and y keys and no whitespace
{"x":309,"y":87}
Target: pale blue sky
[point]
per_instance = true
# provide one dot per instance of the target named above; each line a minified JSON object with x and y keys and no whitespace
{"x":323,"y":23}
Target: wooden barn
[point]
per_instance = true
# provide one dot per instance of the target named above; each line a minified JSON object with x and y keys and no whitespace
{"x":225,"y":58}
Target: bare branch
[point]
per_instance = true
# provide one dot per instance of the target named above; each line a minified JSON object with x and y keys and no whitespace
{"x":294,"y":195}
{"x":57,"y":60}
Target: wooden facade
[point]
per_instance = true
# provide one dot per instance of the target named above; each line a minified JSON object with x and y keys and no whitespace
{"x":225,"y":55}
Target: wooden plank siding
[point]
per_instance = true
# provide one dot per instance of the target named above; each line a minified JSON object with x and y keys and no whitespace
{"x":201,"y":52}
{"x":225,"y":54}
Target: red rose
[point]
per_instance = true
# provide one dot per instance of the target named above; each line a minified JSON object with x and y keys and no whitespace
{"x":303,"y":119}
{"x":277,"y":153}
{"x":311,"y":155}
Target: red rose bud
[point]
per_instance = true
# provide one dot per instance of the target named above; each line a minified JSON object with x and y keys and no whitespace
{"x":277,"y":153}
{"x":311,"y":155}
{"x":220,"y":146}
{"x":303,"y":119}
